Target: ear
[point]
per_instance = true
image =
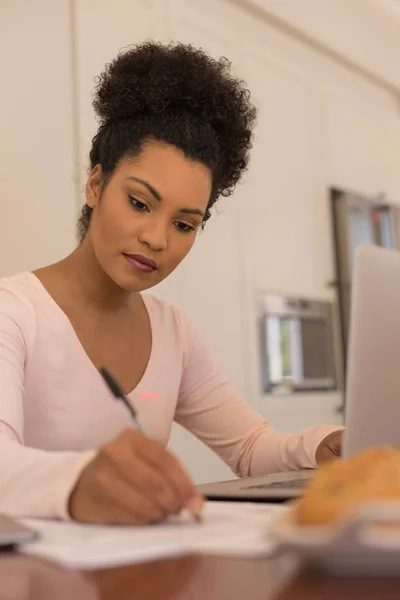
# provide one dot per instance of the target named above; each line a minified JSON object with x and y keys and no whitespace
{"x":93,"y":186}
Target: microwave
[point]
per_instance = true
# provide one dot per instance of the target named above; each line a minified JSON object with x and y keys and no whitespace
{"x":296,"y":344}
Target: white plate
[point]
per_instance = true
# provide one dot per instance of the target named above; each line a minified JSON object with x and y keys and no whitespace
{"x":365,"y":544}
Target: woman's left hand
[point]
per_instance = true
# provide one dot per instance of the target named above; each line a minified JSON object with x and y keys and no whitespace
{"x":330,"y":448}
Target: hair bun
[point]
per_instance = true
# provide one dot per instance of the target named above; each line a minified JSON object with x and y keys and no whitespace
{"x":151,"y":78}
{"x":176,"y":94}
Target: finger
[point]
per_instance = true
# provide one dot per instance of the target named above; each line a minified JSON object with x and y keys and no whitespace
{"x":333,"y":447}
{"x":337,"y":449}
{"x":141,"y":475}
{"x":135,"y":444}
{"x":120,"y":501}
{"x":152,"y":483}
{"x":128,"y":461}
{"x":329,"y":457}
{"x":325,"y":455}
{"x":169,"y":469}
{"x":102,"y":513}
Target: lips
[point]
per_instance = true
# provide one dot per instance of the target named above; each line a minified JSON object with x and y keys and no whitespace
{"x":141,"y":262}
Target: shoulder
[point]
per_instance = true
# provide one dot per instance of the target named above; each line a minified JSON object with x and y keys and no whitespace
{"x":16,"y":300}
{"x":165,"y":315}
{"x":17,"y":290}
{"x":174,"y":324}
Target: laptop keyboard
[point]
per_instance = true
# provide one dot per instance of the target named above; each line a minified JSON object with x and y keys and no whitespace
{"x":291,"y":483}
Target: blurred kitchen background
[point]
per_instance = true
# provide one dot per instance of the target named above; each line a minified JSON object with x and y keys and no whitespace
{"x":269,"y":280}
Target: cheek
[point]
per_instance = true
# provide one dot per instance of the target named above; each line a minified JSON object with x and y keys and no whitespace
{"x":180,"y":246}
{"x":114,"y":221}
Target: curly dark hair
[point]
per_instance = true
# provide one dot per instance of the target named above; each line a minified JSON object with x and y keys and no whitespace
{"x":179,"y":95}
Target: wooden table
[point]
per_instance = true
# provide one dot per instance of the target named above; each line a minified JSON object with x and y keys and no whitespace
{"x":188,"y":578}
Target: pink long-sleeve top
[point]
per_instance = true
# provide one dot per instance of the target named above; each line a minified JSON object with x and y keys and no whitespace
{"x":55,"y":409}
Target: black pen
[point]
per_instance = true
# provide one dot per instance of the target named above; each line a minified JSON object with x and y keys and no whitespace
{"x":119,"y":395}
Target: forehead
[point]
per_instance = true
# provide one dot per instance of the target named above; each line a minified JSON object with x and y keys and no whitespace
{"x":169,"y":171}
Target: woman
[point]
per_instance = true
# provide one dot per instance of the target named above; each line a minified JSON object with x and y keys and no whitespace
{"x":175,"y":133}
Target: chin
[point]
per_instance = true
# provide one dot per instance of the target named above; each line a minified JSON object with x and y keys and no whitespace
{"x":130,"y":280}
{"x":135,"y":283}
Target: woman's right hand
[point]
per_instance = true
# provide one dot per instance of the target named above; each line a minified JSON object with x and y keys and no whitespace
{"x":133,"y":480}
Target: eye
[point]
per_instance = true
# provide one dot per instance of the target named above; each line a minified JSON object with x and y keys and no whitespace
{"x":137,"y":204}
{"x":183,"y":227}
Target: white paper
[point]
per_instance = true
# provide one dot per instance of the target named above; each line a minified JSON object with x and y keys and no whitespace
{"x":228,"y":528}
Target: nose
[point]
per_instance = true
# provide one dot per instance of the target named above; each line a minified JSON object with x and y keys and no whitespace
{"x":154,"y":234}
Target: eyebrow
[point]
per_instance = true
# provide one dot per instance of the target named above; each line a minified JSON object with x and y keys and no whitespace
{"x":158,"y":197}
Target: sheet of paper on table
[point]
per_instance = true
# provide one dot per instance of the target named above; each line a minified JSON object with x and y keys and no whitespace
{"x":228,"y":528}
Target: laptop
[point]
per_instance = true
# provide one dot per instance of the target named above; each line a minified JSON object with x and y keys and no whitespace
{"x":373,"y":378}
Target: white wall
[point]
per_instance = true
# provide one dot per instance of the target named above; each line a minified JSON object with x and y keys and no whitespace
{"x":362,"y":32}
{"x":38,"y":210}
{"x":320,"y":124}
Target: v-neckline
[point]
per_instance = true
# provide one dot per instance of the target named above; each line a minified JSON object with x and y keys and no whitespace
{"x":90,"y":364}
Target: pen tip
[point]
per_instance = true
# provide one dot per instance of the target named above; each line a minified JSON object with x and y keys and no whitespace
{"x":197,"y":517}
{"x":195,"y":507}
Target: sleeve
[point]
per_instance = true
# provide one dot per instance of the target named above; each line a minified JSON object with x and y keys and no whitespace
{"x":33,"y":483}
{"x":214,"y":411}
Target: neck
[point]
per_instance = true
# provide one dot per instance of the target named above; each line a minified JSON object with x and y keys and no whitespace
{"x":91,"y":284}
